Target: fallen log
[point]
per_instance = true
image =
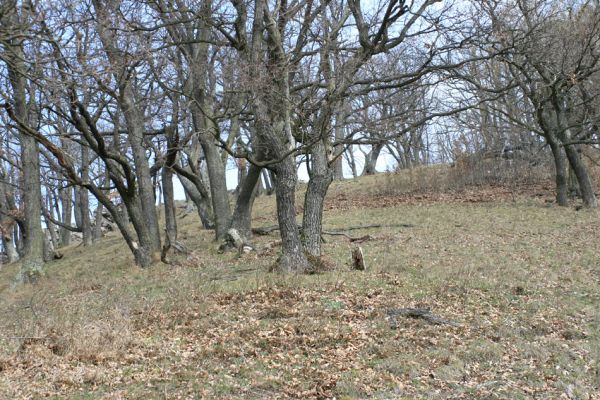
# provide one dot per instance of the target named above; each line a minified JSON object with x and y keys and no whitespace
{"x":335,"y":232}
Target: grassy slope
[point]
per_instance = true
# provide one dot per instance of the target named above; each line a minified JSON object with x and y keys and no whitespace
{"x":521,"y":277}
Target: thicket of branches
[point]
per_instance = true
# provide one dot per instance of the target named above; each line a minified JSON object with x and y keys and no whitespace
{"x":105,"y":103}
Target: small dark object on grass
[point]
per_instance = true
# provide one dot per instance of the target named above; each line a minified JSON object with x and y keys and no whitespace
{"x":519,"y":291}
{"x":423,"y":313}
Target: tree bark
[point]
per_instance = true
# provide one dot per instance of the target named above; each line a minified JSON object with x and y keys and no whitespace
{"x":338,"y":164}
{"x":560,"y":165}
{"x":321,"y":176}
{"x":170,"y":218}
{"x":292,"y":259}
{"x":202,"y":203}
{"x":583,"y":178}
{"x":242,"y":215}
{"x":9,"y":246}
{"x":141,"y":205}
{"x":371,"y":159}
{"x":33,"y":237}
{"x":98,"y":219}
{"x":84,"y":201}
{"x":66,"y":200}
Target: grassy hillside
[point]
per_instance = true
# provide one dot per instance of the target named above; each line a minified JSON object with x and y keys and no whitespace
{"x":519,"y":275}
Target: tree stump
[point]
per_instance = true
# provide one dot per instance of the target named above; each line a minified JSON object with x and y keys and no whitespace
{"x":358,"y":259}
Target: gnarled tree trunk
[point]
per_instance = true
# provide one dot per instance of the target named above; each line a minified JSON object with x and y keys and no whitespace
{"x":242,"y":215}
{"x":321,"y":176}
{"x":33,"y":236}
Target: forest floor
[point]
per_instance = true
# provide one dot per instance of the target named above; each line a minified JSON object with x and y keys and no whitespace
{"x":518,"y":275}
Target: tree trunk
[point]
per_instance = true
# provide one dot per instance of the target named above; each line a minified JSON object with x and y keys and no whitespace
{"x":145,"y":252}
{"x":170,"y":218}
{"x":98,"y":219}
{"x":573,"y":185}
{"x":242,"y":215}
{"x":9,"y":246}
{"x":583,"y":178}
{"x":352,"y":161}
{"x":320,"y":178}
{"x":142,"y":205}
{"x":267,"y":177}
{"x":292,"y":258}
{"x":218,"y":188}
{"x":560,"y":166}
{"x":66,"y":199}
{"x":371,"y":159}
{"x":216,"y":176}
{"x":52,"y":234}
{"x":33,"y":243}
{"x":201,"y":202}
{"x":84,"y":203}
{"x":338,"y":164}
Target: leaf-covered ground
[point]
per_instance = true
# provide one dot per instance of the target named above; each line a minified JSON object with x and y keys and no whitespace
{"x":520,"y":275}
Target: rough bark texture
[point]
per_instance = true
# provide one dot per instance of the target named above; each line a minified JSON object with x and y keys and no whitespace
{"x":170,"y":218}
{"x":321,"y":176}
{"x":201,"y":202}
{"x":141,"y":205}
{"x":338,"y":163}
{"x":98,"y":220}
{"x":66,"y":199}
{"x":292,"y":258}
{"x":218,"y":187}
{"x":560,"y":164}
{"x":33,"y":236}
{"x":7,"y":222}
{"x":242,"y":215}
{"x":583,"y":178}
{"x":11,"y":250}
{"x":84,"y":203}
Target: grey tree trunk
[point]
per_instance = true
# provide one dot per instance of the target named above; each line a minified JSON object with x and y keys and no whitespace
{"x":170,"y":218}
{"x":575,"y":161}
{"x":145,"y":187}
{"x":66,"y":200}
{"x":292,"y":258}
{"x":321,"y":176}
{"x":33,"y":237}
{"x":573,"y":185}
{"x":338,"y":164}
{"x":141,"y":206}
{"x":202,"y":203}
{"x":216,"y":175}
{"x":583,"y":178}
{"x":560,"y":165}
{"x":352,"y":161}
{"x":242,"y":214}
{"x":98,"y":220}
{"x":11,"y":250}
{"x":83,"y":200}
{"x":7,"y":223}
{"x":52,"y":233}
{"x":267,"y":178}
{"x":371,"y":159}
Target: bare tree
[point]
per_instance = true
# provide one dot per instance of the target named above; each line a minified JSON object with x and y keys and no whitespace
{"x":14,"y":19}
